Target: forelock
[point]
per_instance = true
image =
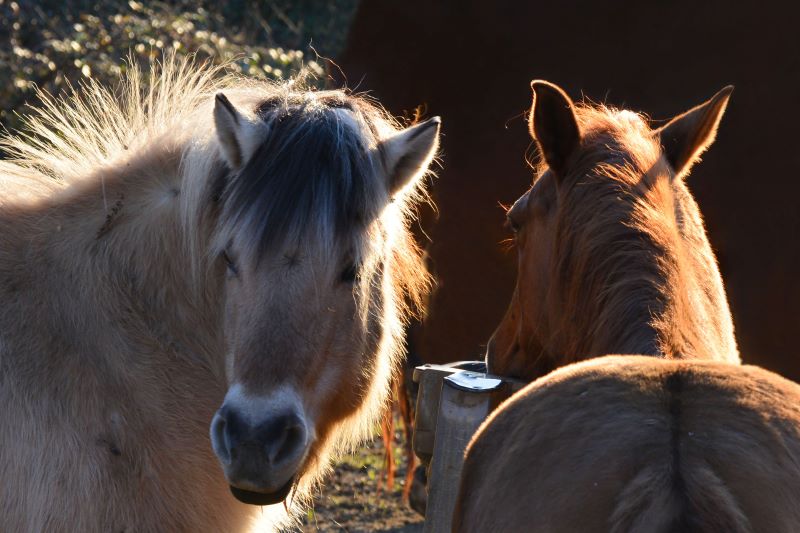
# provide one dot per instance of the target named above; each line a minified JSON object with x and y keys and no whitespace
{"x":312,"y":179}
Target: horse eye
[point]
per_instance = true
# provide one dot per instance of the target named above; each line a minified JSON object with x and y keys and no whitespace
{"x":232,"y":268}
{"x":512,"y":225}
{"x":349,"y":274}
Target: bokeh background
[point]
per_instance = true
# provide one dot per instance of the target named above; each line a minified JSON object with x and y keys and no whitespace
{"x":52,"y":43}
{"x":471,"y":63}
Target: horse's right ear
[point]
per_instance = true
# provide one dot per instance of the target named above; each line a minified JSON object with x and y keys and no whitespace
{"x":407,"y":154}
{"x":687,"y":136}
{"x":229,"y":122}
{"x":553,"y":125}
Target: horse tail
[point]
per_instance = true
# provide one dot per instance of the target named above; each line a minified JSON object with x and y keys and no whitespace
{"x":665,"y":499}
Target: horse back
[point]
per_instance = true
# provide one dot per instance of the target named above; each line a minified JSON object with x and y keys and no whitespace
{"x":635,"y":444}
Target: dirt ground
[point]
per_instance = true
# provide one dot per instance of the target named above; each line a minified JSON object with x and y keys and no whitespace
{"x":351,"y":502}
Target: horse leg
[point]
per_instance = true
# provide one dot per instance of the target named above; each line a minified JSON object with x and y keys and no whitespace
{"x":387,"y":433}
{"x":406,"y":415}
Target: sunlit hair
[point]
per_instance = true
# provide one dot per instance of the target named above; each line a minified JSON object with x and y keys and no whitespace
{"x":72,"y":138}
{"x":619,"y":242}
{"x":164,"y":123}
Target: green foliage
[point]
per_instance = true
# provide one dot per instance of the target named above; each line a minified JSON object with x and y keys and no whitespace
{"x":50,"y":43}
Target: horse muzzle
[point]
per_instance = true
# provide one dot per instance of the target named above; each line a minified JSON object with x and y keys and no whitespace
{"x":262,"y":498}
{"x":261,"y":460}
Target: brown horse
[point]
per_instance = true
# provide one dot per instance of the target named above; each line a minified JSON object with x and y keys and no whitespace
{"x":751,"y":229}
{"x":633,"y":444}
{"x":612,"y":253}
{"x":613,"y":259}
{"x":208,"y":234}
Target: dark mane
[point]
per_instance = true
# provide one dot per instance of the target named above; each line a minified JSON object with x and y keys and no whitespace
{"x":312,"y":177}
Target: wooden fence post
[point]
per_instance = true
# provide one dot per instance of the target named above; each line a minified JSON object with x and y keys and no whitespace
{"x":451,"y":405}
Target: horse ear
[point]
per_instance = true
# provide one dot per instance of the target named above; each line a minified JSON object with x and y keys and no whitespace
{"x":229,"y":121}
{"x":687,"y":136}
{"x":553,"y":125}
{"x":407,"y":154}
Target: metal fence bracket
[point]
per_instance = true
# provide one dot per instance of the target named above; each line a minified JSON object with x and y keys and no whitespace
{"x":451,"y":405}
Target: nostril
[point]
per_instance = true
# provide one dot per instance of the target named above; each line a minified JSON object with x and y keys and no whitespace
{"x":219,"y":440}
{"x":227,"y":432}
{"x":282,"y":438}
{"x":293,"y":438}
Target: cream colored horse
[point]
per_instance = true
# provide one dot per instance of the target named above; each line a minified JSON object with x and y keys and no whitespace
{"x":164,"y":247}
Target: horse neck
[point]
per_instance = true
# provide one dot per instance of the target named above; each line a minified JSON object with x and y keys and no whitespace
{"x":108,"y":254}
{"x":701,"y":316}
{"x":657,"y":291}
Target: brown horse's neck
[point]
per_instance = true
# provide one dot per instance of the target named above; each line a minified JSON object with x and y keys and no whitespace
{"x":109,"y":255}
{"x":647,"y":286}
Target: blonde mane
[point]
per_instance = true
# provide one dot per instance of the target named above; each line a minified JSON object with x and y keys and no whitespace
{"x":73,"y":137}
{"x":91,"y":126}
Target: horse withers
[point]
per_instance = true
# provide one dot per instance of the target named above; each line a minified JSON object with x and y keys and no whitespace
{"x":635,"y":444}
{"x":613,"y":259}
{"x":205,"y":234}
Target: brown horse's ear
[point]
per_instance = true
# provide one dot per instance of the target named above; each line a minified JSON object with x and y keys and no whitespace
{"x":687,"y":136}
{"x":407,"y":154}
{"x":553,"y":124}
{"x":229,"y":122}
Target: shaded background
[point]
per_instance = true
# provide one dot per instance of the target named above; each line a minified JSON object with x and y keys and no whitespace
{"x":471,"y":62}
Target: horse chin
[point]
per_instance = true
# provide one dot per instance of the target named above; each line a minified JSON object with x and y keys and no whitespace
{"x":263,"y":498}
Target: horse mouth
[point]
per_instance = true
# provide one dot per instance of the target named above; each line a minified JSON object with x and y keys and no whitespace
{"x":263,"y":498}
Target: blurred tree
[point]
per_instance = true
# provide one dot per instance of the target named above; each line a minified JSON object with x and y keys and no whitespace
{"x":49,"y":43}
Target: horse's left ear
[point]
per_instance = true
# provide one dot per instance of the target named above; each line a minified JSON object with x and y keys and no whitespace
{"x":230,"y":124}
{"x":687,"y":136}
{"x":407,"y":154}
{"x":553,"y":125}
